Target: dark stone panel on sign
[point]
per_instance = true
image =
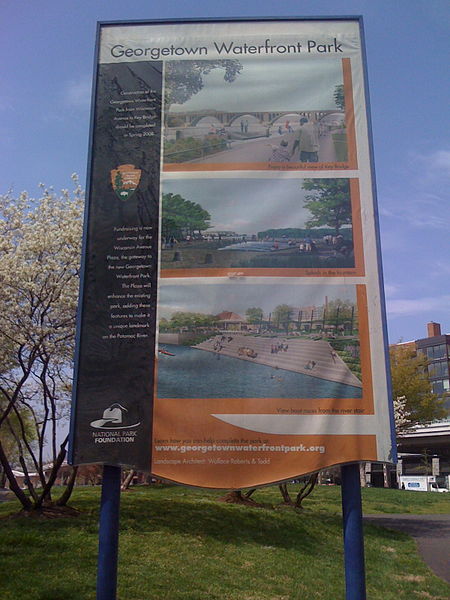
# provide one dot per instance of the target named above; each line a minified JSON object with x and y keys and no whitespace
{"x":114,"y":387}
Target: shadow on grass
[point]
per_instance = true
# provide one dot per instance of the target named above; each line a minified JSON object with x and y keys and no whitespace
{"x":232,"y":524}
{"x":414,"y":525}
{"x":183,"y":514}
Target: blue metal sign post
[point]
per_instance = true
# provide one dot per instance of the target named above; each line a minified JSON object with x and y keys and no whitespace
{"x":108,"y":536}
{"x":355,"y":580}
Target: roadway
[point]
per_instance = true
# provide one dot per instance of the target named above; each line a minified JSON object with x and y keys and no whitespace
{"x":431,"y":533}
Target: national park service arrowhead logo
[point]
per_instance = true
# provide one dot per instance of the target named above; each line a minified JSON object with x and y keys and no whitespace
{"x":125,"y":180}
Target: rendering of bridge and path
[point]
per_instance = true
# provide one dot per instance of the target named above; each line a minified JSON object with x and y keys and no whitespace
{"x":229,"y":119}
{"x":263,"y":131}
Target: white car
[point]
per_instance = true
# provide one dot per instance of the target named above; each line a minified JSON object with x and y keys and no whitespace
{"x":435,"y":488}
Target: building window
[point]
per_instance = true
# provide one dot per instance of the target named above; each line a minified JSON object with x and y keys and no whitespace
{"x":440,"y":386}
{"x":435,"y":352}
{"x":438,"y":370}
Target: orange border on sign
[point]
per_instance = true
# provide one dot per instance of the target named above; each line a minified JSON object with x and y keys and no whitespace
{"x":351,"y":163}
{"x":356,"y":271}
{"x":358,"y":247}
{"x":365,"y":354}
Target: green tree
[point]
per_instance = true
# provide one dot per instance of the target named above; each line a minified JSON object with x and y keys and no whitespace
{"x":184,"y":78}
{"x":342,"y":315}
{"x":339,"y":99}
{"x":254,"y":315}
{"x":411,"y":384}
{"x":328,"y":202}
{"x":345,"y":308}
{"x":164,"y":324}
{"x":282,"y":316}
{"x":191,"y":320}
{"x":338,"y":312}
{"x":182,"y":217}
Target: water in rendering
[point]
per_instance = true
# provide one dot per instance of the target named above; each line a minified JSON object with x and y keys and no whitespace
{"x":193,"y":373}
{"x":256,"y":246}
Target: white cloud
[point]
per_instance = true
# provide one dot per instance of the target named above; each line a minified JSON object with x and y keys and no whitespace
{"x":443,"y":160}
{"x":420,"y":200}
{"x":391,"y":290}
{"x":385,"y":211}
{"x":410,"y":307}
{"x":436,"y":164}
{"x":77,"y":93}
{"x":6,"y":105}
{"x":393,"y":239}
{"x":440,"y":269}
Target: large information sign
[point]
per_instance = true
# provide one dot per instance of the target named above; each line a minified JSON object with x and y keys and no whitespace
{"x":232,"y":319}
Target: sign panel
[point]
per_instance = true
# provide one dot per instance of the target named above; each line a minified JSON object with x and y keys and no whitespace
{"x":111,"y":417}
{"x":269,"y":330}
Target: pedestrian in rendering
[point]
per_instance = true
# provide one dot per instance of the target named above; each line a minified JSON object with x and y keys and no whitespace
{"x":307,"y":141}
{"x":280,"y":153}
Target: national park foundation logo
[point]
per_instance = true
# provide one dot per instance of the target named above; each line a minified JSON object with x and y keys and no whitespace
{"x":113,"y":418}
{"x":125,"y":179}
{"x":113,"y":427}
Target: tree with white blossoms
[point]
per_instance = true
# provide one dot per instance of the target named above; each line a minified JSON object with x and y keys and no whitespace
{"x":40,"y":241}
{"x":402,"y":415}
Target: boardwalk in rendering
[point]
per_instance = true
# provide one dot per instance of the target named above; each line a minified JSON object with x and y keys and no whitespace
{"x":311,"y":357}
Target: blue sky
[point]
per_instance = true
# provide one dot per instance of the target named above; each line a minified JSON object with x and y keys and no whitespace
{"x":47,"y":52}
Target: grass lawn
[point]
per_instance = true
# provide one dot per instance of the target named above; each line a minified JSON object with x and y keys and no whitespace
{"x":181,"y":544}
